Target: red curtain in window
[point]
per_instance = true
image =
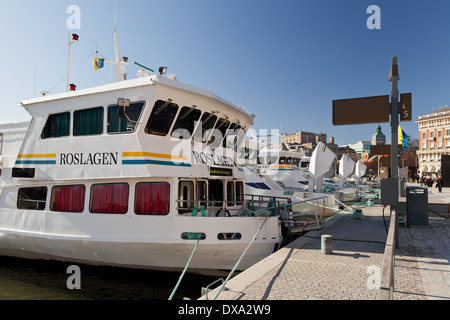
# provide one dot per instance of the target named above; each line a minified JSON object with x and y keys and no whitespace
{"x":102,"y":198}
{"x":110,"y":198}
{"x":120,"y":196}
{"x":143,"y":198}
{"x":160,"y":198}
{"x":152,"y":198}
{"x":69,"y":198}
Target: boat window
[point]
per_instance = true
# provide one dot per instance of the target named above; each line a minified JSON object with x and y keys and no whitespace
{"x":252,"y":155}
{"x":258,"y":185}
{"x":32,"y":198}
{"x":68,"y":198}
{"x":202,"y":193}
{"x":216,"y":192}
{"x":230,"y":193}
{"x":124,"y":119}
{"x":88,"y":122}
{"x":185,"y":124}
{"x":161,"y":118}
{"x":57,"y":125}
{"x":282,"y":160}
{"x":230,"y":136}
{"x":185,"y":196}
{"x":152,"y":198}
{"x":203,"y":130}
{"x":244,"y":153}
{"x":218,"y":133}
{"x":109,"y":198}
{"x":239,"y":138}
{"x":239,"y":192}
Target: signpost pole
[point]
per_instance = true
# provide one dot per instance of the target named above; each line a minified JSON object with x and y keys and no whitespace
{"x":394,"y":77}
{"x":394,"y":118}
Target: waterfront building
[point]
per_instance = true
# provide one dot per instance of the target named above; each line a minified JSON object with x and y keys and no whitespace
{"x":307,"y":141}
{"x":362,"y":149}
{"x":434,"y":140}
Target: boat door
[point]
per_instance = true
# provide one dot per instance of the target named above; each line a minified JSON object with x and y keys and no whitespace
{"x":185,"y":196}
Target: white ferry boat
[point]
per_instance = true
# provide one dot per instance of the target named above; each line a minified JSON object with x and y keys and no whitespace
{"x":283,"y":167}
{"x":274,"y":174}
{"x":131,"y":174}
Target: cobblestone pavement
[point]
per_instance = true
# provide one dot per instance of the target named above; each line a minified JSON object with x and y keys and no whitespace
{"x":309,"y":274}
{"x":301,"y":272}
{"x":422,"y":268}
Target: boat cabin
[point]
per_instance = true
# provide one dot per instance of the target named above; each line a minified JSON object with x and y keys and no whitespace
{"x":168,"y":140}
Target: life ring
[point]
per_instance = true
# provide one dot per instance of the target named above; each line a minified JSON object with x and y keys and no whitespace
{"x":197,"y":209}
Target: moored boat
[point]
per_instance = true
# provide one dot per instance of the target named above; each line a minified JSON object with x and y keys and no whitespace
{"x":131,"y":174}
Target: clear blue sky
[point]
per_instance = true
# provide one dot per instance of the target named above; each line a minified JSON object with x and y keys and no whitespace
{"x":288,"y":58}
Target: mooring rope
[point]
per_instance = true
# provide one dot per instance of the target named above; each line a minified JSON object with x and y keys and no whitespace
{"x":242,"y":256}
{"x":198,"y":237}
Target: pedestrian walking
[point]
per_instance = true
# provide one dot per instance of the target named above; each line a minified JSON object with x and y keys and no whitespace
{"x":439,"y":184}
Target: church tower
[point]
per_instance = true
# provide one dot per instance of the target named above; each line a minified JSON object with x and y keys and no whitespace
{"x":378,"y":138}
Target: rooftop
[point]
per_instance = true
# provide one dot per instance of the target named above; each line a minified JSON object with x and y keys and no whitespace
{"x":438,"y":112}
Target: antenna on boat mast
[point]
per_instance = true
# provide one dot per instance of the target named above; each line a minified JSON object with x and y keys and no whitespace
{"x":115,"y":15}
{"x":120,"y":73}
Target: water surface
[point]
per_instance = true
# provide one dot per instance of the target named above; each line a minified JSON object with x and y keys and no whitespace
{"x":22,"y":279}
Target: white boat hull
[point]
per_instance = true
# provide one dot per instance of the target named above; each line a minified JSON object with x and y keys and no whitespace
{"x":154,"y":244}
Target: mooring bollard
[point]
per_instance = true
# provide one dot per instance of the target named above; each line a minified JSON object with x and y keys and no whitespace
{"x":357,"y":214}
{"x":327,"y":244}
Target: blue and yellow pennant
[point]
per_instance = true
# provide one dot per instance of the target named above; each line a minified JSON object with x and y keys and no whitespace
{"x":98,"y":63}
{"x":403,"y":138}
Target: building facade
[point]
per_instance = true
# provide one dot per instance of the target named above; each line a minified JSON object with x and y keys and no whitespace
{"x":307,"y":141}
{"x":434,"y":141}
{"x":362,"y":149}
{"x":304,"y":138}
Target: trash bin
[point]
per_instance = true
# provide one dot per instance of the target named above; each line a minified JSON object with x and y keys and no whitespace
{"x":416,"y":206}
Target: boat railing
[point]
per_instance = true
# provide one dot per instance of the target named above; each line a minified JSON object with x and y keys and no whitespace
{"x":254,"y":205}
{"x":210,"y":208}
{"x":304,"y":214}
{"x":250,"y":206}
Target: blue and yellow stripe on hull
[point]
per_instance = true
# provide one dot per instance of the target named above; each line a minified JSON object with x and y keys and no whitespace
{"x":48,"y":158}
{"x":142,"y":158}
{"x":282,"y":168}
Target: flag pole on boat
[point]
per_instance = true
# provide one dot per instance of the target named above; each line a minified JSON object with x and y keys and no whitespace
{"x":70,"y":41}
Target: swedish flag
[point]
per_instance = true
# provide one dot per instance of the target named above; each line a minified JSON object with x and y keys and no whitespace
{"x":98,"y":63}
{"x":403,"y":138}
